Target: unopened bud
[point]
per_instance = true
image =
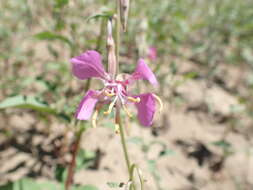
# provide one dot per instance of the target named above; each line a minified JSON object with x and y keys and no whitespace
{"x":109,"y":27}
{"x":112,"y":63}
{"x":124,"y":10}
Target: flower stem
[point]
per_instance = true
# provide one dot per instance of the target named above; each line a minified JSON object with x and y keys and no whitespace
{"x":124,"y":147}
{"x":117,"y":117}
{"x":123,"y":140}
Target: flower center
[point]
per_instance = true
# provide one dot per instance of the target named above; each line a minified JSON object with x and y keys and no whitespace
{"x":116,"y":91}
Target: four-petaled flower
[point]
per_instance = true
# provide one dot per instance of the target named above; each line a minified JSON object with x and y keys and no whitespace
{"x":89,"y":64}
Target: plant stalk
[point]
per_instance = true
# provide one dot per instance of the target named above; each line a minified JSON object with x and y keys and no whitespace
{"x":123,"y":140}
{"x":72,"y":166}
{"x":124,"y":147}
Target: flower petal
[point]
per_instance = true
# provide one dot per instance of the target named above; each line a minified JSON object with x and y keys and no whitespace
{"x":142,"y":71}
{"x":152,"y":53}
{"x":146,"y":108}
{"x":87,"y":105}
{"x":88,"y":65}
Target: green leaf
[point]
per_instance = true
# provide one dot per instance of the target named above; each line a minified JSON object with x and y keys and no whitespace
{"x":222,"y":144}
{"x":46,"y":35}
{"x":85,"y":159}
{"x":8,"y":186}
{"x":114,"y":184}
{"x":60,"y":173}
{"x":28,"y":184}
{"x":135,"y":140}
{"x":167,"y":152}
{"x":49,"y":186}
{"x":86,"y":187}
{"x":28,"y":102}
{"x":60,"y":3}
{"x":152,"y":165}
{"x":191,"y":75}
{"x":105,"y":14}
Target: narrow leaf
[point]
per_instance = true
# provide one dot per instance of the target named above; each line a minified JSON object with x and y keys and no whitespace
{"x":28,"y":102}
{"x":46,"y":35}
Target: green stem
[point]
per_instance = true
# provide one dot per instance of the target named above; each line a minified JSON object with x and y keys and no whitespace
{"x":117,"y":117}
{"x":123,"y":142}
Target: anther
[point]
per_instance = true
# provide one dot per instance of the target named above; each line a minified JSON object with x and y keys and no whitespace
{"x":109,"y":94}
{"x":116,"y":128}
{"x":135,"y":100}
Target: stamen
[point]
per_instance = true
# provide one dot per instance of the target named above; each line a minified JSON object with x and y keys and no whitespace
{"x":109,"y":94}
{"x":116,"y":128}
{"x":132,"y":99}
{"x":111,"y":106}
{"x":159,"y":101}
{"x":94,"y":119}
{"x":127,"y":111}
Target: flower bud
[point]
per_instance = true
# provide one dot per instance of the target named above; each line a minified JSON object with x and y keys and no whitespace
{"x":112,"y":63}
{"x":124,"y":9}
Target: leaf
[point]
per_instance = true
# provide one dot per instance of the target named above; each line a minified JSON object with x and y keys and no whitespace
{"x":167,"y":152}
{"x":27,"y":184}
{"x":191,"y":75}
{"x":85,"y":159}
{"x":49,"y":186}
{"x":136,"y":140}
{"x":28,"y":102}
{"x":22,"y":184}
{"x":86,"y":187}
{"x":114,"y":184}
{"x":8,"y":186}
{"x":152,"y":165}
{"x":60,"y":3}
{"x":105,"y":14}
{"x":46,"y":35}
{"x":222,"y":143}
{"x":60,"y":173}
{"x":30,"y":184}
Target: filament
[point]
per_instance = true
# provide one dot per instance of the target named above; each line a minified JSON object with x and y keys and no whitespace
{"x":109,"y":94}
{"x":111,"y":106}
{"x":94,"y":119}
{"x":127,"y":111}
{"x":159,"y":101}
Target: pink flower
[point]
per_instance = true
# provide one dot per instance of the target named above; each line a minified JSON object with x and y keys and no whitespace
{"x":152,"y":53}
{"x":89,"y":64}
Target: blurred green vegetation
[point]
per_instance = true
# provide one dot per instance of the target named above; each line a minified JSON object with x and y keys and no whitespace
{"x":38,"y":38}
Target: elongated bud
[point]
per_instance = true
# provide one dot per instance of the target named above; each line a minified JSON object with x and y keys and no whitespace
{"x":112,"y":63}
{"x":124,"y":10}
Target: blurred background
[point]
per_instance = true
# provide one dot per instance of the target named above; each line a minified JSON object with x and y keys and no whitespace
{"x":202,"y":54}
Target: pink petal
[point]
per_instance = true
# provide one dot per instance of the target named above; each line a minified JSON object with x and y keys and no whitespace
{"x":88,"y":65}
{"x":152,"y":53}
{"x":146,"y":109}
{"x":142,"y":71}
{"x":87,"y":105}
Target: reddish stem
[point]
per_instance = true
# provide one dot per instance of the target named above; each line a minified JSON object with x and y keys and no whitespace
{"x":72,"y":166}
